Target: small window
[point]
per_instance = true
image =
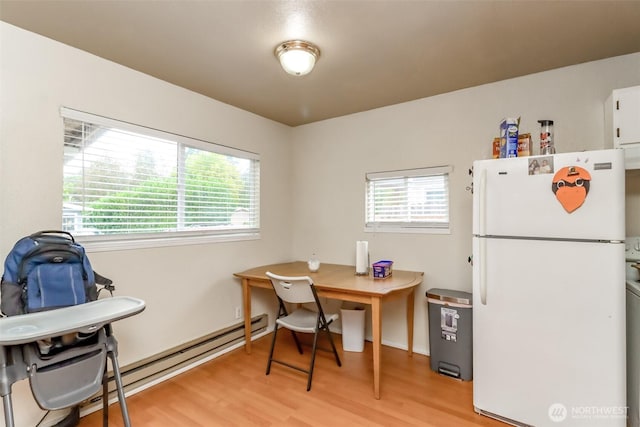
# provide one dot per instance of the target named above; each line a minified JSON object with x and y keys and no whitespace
{"x":412,"y":200}
{"x":123,"y":181}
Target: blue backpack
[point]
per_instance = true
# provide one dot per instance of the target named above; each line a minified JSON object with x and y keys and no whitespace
{"x":46,"y":270}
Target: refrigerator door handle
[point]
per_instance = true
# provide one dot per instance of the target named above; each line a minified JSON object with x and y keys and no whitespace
{"x":482,"y":228}
{"x":482,"y":203}
{"x":482,"y":265}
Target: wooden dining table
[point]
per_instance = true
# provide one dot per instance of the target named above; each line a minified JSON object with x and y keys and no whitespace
{"x":340,"y":282}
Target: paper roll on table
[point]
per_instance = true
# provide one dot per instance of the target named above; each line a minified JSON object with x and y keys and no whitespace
{"x":362,"y":257}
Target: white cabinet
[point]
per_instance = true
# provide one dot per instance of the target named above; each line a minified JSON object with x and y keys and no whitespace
{"x":622,"y":123}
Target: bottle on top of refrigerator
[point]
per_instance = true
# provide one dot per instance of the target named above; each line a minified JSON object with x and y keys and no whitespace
{"x":546,"y":137}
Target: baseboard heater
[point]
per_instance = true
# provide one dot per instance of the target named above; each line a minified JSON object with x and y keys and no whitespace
{"x":150,"y":369}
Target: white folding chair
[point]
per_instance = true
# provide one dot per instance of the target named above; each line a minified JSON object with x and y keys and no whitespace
{"x":300,"y":290}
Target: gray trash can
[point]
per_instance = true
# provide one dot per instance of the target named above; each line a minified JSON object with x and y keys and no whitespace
{"x":451,"y":333}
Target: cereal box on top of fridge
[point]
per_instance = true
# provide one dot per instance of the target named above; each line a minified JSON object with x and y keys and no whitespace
{"x":509,"y":137}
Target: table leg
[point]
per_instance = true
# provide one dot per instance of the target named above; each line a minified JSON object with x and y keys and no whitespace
{"x":246,"y":298}
{"x":410,"y":302}
{"x":376,"y":326}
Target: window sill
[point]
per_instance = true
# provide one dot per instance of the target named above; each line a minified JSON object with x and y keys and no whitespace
{"x":94,"y":244}
{"x":408,"y":230}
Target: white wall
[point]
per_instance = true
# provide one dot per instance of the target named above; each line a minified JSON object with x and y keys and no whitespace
{"x":189,"y":290}
{"x":331,"y":158}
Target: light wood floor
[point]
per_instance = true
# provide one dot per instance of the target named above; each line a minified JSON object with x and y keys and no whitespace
{"x":233,"y":390}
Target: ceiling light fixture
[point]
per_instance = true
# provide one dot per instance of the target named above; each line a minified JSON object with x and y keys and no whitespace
{"x":297,"y":57}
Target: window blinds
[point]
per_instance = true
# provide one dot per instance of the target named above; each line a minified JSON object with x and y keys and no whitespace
{"x":414,"y":198}
{"x":121,"y":178}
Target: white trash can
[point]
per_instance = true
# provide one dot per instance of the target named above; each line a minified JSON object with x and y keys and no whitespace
{"x":352,"y":329}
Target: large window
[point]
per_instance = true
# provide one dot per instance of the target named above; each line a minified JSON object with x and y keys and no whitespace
{"x":123,"y":181}
{"x":413,"y":200}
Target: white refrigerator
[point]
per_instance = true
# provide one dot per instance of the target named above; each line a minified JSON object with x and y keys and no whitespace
{"x":549,"y":289}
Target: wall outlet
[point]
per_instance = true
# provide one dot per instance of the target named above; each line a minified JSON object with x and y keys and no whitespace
{"x":238,"y":312}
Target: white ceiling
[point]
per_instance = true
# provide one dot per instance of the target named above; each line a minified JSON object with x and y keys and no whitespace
{"x":373,"y":53}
